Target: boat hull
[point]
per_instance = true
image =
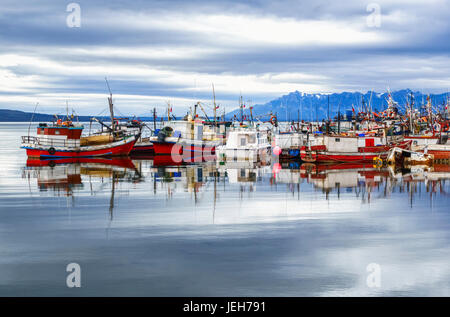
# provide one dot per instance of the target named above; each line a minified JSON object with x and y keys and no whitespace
{"x":365,"y":154}
{"x":120,"y":148}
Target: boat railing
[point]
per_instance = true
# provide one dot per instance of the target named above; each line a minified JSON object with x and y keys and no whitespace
{"x":29,"y":139}
{"x":47,"y":142}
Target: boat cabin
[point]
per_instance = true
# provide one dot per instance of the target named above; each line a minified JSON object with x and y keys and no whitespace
{"x":350,"y":144}
{"x":246,"y":139}
{"x":61,"y":134}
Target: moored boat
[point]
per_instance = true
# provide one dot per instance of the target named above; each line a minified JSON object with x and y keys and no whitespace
{"x":186,"y":140}
{"x":245,"y":145}
{"x":64,"y":140}
{"x":349,"y":149}
{"x":406,"y":158}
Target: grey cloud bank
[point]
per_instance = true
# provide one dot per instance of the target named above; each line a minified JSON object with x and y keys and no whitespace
{"x":154,"y":51}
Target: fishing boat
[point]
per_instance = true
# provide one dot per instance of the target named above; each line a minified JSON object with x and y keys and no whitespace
{"x":245,"y":145}
{"x":126,"y":126}
{"x":290,"y":144}
{"x":406,"y":158}
{"x":359,"y":148}
{"x":188,"y":138}
{"x":63,"y":139}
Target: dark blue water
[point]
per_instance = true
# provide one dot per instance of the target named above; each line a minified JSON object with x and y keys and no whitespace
{"x":144,"y":229}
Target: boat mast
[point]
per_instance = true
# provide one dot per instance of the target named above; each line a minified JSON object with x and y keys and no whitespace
{"x":67,"y":110}
{"x":339,"y":118}
{"x":215,"y":107}
{"x":168,"y":111}
{"x":31,"y":120}
{"x":111,"y":107}
{"x":241,"y":106}
{"x":411,"y":107}
{"x":328,"y":108}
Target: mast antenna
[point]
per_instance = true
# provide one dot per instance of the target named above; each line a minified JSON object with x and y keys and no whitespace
{"x":111,"y":108}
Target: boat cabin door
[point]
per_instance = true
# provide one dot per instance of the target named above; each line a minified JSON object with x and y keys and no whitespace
{"x":370,"y":142}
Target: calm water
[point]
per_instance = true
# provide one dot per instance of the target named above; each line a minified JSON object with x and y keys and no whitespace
{"x":139,"y":228}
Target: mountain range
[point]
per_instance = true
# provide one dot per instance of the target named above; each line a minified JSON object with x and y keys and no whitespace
{"x":298,"y":105}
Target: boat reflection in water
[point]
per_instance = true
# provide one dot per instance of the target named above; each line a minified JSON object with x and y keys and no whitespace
{"x":65,"y":177}
{"x":256,"y":188}
{"x":366,"y":179}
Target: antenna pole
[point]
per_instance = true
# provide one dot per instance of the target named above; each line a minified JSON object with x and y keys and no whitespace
{"x":31,"y":120}
{"x":215,"y":115}
{"x":111,"y":107}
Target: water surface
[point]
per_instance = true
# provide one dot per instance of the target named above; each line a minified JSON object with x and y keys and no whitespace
{"x":139,"y":228}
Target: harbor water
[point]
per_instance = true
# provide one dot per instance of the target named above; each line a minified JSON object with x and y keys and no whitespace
{"x":142,"y":227}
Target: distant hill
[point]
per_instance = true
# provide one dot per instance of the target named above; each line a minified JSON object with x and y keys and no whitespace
{"x":17,"y":116}
{"x":312,"y":106}
{"x":21,"y":116}
{"x":7,"y":115}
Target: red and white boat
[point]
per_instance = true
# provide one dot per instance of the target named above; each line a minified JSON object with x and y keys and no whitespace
{"x":186,"y":139}
{"x":64,"y":140}
{"x":349,"y":149}
{"x":438,"y":145}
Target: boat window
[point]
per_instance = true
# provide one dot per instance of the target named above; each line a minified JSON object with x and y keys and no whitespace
{"x":337,"y":139}
{"x":243,"y":141}
{"x":56,"y":131}
{"x":252,"y":139}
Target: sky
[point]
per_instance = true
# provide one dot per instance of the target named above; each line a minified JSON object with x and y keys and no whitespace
{"x":154,"y":52}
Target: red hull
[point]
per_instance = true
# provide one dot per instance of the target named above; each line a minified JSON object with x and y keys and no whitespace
{"x":163,"y":148}
{"x":439,"y":155}
{"x":365,"y":154}
{"x":119,"y":150}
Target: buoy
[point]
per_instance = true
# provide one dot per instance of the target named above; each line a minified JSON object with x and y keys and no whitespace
{"x":377,"y":162}
{"x":276,"y":150}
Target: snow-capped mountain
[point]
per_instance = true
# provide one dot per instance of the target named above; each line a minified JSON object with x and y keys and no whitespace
{"x":315,"y":106}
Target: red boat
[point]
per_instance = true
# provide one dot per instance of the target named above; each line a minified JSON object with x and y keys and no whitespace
{"x":349,"y":149}
{"x":63,"y":140}
{"x":185,"y":145}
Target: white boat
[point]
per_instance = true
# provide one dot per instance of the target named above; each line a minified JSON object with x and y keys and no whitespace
{"x":406,"y":158}
{"x":245,"y":145}
{"x":290,"y":143}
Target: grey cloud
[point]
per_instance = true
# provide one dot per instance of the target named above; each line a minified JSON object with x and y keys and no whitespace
{"x":420,"y":35}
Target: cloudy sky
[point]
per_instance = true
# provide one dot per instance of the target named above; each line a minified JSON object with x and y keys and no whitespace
{"x":153,"y":52}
